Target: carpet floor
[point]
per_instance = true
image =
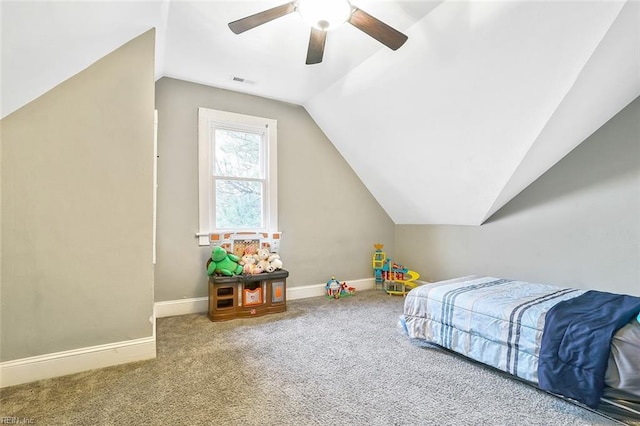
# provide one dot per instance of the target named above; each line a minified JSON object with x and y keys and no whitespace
{"x":323,"y":362}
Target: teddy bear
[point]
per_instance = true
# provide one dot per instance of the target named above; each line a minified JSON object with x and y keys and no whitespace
{"x":223,"y":263}
{"x":262,"y":257}
{"x":275,"y":262}
{"x":248,"y":262}
{"x":262,"y":254}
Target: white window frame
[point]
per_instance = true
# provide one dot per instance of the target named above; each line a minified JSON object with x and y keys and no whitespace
{"x":208,"y":120}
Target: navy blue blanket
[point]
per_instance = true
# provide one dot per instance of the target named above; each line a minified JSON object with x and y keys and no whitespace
{"x":576,"y":343}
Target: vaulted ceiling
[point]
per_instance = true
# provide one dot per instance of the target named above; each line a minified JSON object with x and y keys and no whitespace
{"x":483,"y":98}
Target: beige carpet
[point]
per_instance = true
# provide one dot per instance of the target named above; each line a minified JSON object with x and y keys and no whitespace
{"x":323,"y":362}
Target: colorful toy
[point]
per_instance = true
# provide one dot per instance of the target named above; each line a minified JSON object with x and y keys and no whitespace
{"x":394,"y":278}
{"x":223,"y":263}
{"x":379,"y":259}
{"x":336,"y":290}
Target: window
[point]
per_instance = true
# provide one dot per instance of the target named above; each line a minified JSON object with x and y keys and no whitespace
{"x":237,"y":173}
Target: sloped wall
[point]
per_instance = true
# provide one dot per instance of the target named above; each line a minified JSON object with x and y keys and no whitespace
{"x":77,"y":209}
{"x":329,"y":219}
{"x":577,"y":225}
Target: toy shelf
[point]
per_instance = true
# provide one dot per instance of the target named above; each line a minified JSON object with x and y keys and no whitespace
{"x":242,"y":296}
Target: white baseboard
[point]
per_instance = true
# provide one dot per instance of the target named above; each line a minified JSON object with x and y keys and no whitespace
{"x":316,"y":290}
{"x":75,"y":361}
{"x":181,"y":307}
{"x":198,"y":305}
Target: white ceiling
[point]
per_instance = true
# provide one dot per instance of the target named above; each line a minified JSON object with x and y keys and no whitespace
{"x":482,"y":99}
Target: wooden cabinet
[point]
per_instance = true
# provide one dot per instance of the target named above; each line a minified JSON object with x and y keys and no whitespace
{"x":242,"y":296}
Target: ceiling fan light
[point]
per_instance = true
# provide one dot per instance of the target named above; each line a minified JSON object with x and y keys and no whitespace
{"x":324,"y":14}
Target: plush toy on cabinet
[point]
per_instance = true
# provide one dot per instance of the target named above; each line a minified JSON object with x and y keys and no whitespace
{"x":257,"y":269}
{"x":223,"y":263}
{"x":275,"y":262}
{"x":248,"y":263}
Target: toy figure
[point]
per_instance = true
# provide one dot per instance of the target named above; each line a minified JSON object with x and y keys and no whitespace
{"x":223,"y":263}
{"x":335,"y":289}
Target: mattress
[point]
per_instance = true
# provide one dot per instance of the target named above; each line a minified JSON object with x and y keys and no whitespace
{"x":623,"y":370}
{"x":500,"y":323}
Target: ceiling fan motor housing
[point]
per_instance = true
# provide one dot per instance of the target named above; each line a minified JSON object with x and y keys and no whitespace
{"x":324,"y":15}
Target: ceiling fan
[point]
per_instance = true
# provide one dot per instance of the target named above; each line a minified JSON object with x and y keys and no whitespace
{"x":323,"y":16}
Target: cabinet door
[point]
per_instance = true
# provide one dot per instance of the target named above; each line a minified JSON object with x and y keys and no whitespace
{"x":278,"y":291}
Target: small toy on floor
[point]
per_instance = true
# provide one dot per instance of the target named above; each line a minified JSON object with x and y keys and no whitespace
{"x":335,"y":290}
{"x":394,"y":278}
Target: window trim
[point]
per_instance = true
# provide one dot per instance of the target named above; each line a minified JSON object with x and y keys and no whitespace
{"x":206,"y":118}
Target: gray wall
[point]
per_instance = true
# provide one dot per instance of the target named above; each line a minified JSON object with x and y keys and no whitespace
{"x":77,"y":209}
{"x":577,"y":225}
{"x":328,"y":218}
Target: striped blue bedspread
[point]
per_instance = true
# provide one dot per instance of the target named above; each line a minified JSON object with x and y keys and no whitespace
{"x":495,"y":321}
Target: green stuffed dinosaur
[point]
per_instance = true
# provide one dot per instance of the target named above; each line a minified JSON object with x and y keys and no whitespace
{"x":223,"y":263}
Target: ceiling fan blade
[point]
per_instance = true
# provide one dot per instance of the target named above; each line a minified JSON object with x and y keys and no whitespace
{"x":377,"y":29}
{"x":316,"y":46}
{"x":249,"y":22}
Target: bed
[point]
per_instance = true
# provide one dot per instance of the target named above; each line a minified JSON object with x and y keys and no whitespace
{"x":578,"y":344}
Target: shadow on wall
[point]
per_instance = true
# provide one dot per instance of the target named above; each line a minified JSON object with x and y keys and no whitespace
{"x":612,"y":153}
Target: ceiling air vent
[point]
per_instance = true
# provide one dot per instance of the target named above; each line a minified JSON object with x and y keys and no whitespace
{"x":242,"y":80}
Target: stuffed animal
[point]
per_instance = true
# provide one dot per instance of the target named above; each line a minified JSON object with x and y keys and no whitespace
{"x":223,"y":263}
{"x":262,"y":258}
{"x":275,"y":262}
{"x":257,"y":270}
{"x":248,"y":262}
{"x":262,"y":254}
{"x":264,"y":264}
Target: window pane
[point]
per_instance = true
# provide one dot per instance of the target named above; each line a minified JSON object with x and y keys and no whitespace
{"x":237,"y":154}
{"x":238,"y":204}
